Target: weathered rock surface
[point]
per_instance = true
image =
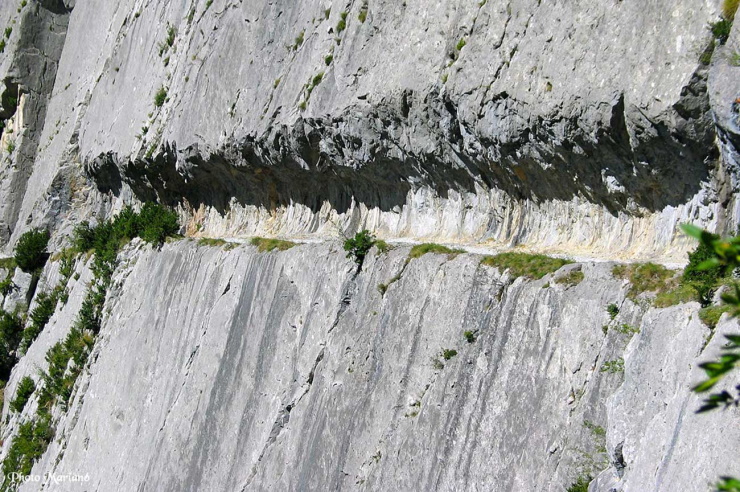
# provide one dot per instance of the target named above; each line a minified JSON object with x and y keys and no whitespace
{"x":242,"y":370}
{"x":563,"y":125}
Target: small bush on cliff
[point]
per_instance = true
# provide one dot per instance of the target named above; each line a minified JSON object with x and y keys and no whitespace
{"x":160,"y":97}
{"x":30,"y":251}
{"x":703,"y":280}
{"x":525,"y":265}
{"x":11,"y":329}
{"x":7,"y":286}
{"x":613,"y":310}
{"x":25,"y":389}
{"x":26,"y":448}
{"x":722,"y":28}
{"x":357,"y":247}
{"x":153,"y":223}
{"x":581,"y":484}
{"x":157,"y":223}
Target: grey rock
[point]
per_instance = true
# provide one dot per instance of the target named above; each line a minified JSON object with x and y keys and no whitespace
{"x":552,"y":126}
{"x":240,"y":370}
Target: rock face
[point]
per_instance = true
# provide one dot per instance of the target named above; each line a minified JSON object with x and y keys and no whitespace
{"x":242,"y":370}
{"x":569,"y":125}
{"x":586,"y":128}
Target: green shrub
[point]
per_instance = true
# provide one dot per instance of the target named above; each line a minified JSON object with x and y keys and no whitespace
{"x":26,"y":387}
{"x":704,"y":281}
{"x":7,"y":286}
{"x":448,"y":354}
{"x":342,"y":24}
{"x":171,"y":33}
{"x":421,"y":249}
{"x":721,"y":30}
{"x":83,"y":237}
{"x":156,"y":223}
{"x":266,"y":245}
{"x":30,"y":251}
{"x":706,"y":56}
{"x":581,"y":484}
{"x":11,"y":330}
{"x":627,"y":329}
{"x":8,"y":31}
{"x":160,"y":97}
{"x":613,"y":310}
{"x":525,"y":265}
{"x":328,"y":59}
{"x":357,"y":247}
{"x":27,"y":447}
{"x":613,"y":366}
{"x":39,"y":317}
{"x":461,"y":44}
{"x":60,"y":377}
{"x":153,"y":223}
{"x":470,"y":336}
{"x":362,"y":16}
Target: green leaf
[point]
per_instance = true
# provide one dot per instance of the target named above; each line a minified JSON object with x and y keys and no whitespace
{"x":692,"y":230}
{"x":705,"y":386}
{"x":709,"y":264}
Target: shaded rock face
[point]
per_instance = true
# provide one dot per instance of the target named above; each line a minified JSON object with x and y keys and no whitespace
{"x":565,"y":125}
{"x":242,"y":370}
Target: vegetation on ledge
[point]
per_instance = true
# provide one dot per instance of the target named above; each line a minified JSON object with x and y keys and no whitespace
{"x":525,"y":265}
{"x":265,"y":245}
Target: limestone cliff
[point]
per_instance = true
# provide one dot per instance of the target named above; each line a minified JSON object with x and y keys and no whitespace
{"x":590,"y":129}
{"x":570,"y":126}
{"x":240,"y":370}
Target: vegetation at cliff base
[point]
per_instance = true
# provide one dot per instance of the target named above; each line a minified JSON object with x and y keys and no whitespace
{"x":67,"y":358}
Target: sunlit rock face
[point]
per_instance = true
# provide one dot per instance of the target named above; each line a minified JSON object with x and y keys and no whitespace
{"x":555,"y":126}
{"x":240,"y":370}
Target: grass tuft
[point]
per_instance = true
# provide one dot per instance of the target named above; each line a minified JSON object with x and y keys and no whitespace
{"x":644,"y":277}
{"x":525,"y":265}
{"x":571,"y":279}
{"x":421,"y":249}
{"x":265,"y":245}
{"x":710,"y":315}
